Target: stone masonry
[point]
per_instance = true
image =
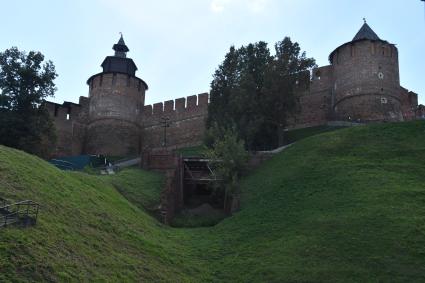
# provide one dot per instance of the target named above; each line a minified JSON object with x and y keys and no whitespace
{"x":361,"y":84}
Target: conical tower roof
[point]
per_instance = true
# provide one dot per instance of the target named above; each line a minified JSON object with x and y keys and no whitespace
{"x":366,"y":32}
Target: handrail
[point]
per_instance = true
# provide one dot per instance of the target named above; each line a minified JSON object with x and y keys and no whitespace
{"x":13,"y":213}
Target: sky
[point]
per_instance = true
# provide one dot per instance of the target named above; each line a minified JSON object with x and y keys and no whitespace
{"x":177,"y":45}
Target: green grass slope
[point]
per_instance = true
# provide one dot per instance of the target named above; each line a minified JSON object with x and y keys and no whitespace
{"x":343,"y":206}
{"x":139,"y":187}
{"x":86,"y":231}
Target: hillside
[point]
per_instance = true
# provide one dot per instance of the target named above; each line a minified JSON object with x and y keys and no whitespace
{"x":86,"y":229}
{"x":341,"y":206}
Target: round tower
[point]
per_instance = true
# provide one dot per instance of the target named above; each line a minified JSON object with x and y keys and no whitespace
{"x":367,"y":83}
{"x":116,"y":99}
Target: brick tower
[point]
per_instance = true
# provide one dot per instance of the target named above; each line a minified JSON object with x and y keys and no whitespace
{"x":117,"y":97}
{"x":366,"y":79}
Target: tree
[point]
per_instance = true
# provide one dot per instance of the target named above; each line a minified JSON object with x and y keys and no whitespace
{"x":25,"y":81}
{"x":255,"y":91}
{"x":228,"y":160}
{"x":289,"y":71}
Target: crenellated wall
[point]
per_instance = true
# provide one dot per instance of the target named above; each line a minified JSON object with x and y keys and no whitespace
{"x":70,"y":131}
{"x":361,"y":84}
{"x":186,"y":122}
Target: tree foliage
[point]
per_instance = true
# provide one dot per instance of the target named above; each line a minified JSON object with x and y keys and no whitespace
{"x":228,"y":160}
{"x":25,"y":81}
{"x":256,"y":91}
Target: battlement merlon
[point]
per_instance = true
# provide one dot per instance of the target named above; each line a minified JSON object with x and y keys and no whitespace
{"x":192,"y":104}
{"x":65,"y":111}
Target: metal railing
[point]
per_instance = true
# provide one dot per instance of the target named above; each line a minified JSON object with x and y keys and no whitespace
{"x":23,"y":212}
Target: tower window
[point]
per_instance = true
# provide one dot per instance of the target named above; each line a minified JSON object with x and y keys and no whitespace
{"x":139,"y":86}
{"x":101,"y":80}
{"x":68,"y":116}
{"x":128,"y":81}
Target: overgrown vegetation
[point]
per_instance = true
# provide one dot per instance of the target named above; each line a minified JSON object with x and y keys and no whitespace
{"x":25,"y":80}
{"x":343,"y":206}
{"x":228,"y":161}
{"x":255,"y":92}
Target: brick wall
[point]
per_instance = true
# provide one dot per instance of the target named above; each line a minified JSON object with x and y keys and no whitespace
{"x":115,"y":104}
{"x":187,"y":122}
{"x":367,"y":68}
{"x":420,"y":112}
{"x":362,"y":83}
{"x":68,"y":130}
{"x":313,"y":110}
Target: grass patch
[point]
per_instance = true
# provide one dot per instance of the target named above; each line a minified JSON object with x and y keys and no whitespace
{"x":190,"y":219}
{"x":139,"y":187}
{"x":342,"y":206}
{"x":299,"y":134}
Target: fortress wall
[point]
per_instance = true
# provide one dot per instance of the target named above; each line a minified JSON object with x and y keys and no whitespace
{"x":420,"y":112}
{"x":367,"y":84}
{"x":409,"y":104}
{"x":370,"y":108}
{"x":357,"y":67}
{"x":65,"y":118}
{"x":322,"y":79}
{"x":115,"y":104}
{"x":313,"y":110}
{"x":114,"y":95}
{"x":113,"y":137}
{"x":186,"y":122}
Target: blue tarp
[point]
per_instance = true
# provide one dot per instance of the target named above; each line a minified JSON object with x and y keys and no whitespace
{"x":77,"y":162}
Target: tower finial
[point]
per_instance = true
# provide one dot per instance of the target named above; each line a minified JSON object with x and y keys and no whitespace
{"x":120,"y":48}
{"x":364,"y":20}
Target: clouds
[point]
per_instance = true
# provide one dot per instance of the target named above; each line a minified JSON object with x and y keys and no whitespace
{"x":254,"y":6}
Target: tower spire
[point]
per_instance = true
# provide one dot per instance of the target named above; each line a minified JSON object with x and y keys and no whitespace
{"x":366,"y":33}
{"x":120,"y":48}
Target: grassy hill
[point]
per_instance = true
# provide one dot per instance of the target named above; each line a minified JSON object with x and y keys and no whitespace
{"x":341,"y":206}
{"x":86,"y":230}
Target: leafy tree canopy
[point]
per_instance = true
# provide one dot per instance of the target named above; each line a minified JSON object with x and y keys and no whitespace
{"x":228,"y":160}
{"x":255,"y":91}
{"x":25,"y":81}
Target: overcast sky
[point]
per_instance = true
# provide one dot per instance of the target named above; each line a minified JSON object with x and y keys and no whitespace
{"x":177,"y":45}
